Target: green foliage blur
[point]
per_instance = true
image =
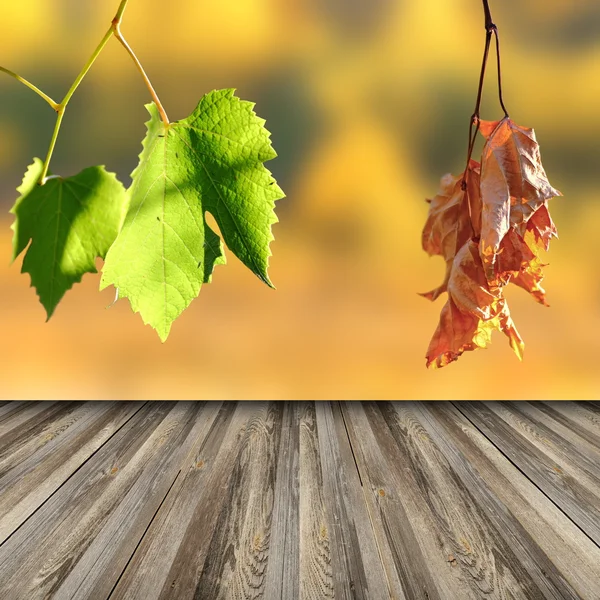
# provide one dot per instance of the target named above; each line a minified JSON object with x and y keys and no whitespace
{"x":368,"y":103}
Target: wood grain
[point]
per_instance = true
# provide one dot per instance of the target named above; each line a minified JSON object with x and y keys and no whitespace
{"x":562,"y":562}
{"x":181,"y":535}
{"x":78,"y":542}
{"x":283,"y":567}
{"x":554,"y":468}
{"x":299,"y":501}
{"x":40,"y":454}
{"x":356,"y":565}
{"x":236,"y":561}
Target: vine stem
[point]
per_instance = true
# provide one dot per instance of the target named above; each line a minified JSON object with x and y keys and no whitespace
{"x":63,"y":105}
{"x":30,"y":85}
{"x":60,"y":108}
{"x":490,"y":29}
{"x":138,"y":64}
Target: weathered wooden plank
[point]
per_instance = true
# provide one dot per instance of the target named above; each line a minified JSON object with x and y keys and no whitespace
{"x":466,"y":514}
{"x":404,"y":533}
{"x":356,"y":566}
{"x":584,"y":418}
{"x":10,"y":408}
{"x":575,"y":490}
{"x":567,"y":440}
{"x":236,"y":562}
{"x":76,"y":545}
{"x":282,"y":578}
{"x":46,"y":452}
{"x":563,"y":561}
{"x":316,"y":573}
{"x":23,"y":439}
{"x":178,"y":551}
{"x":294,"y":501}
{"x":455,"y":524}
{"x":202,"y":479}
{"x":5,"y":406}
{"x":14,"y":414}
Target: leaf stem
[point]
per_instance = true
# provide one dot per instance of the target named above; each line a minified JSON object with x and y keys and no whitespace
{"x":490,"y":29}
{"x":115,"y":30}
{"x":59,"y":118}
{"x":138,"y":64}
{"x":489,"y":23}
{"x":30,"y":85}
{"x":475,"y":115}
{"x":119,"y":16}
{"x":65,"y":101}
{"x":499,"y":71}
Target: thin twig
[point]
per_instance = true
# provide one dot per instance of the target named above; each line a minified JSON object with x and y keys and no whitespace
{"x":499,"y":72}
{"x":60,"y":108}
{"x":119,"y":16}
{"x":490,"y":29}
{"x":116,"y":28}
{"x":138,"y":64}
{"x":30,"y":85}
{"x":475,"y":115}
{"x":488,"y":15}
{"x":65,"y":101}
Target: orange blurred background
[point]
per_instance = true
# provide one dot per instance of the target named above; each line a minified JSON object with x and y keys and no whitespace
{"x":368,"y":102}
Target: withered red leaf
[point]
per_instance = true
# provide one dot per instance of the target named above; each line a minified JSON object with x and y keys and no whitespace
{"x":514,"y":185}
{"x":449,"y":222}
{"x":490,"y":232}
{"x":542,"y":226}
{"x":472,"y":312}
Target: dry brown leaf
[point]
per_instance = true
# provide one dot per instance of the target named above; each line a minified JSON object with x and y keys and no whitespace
{"x":540,"y":230}
{"x":514,"y":186}
{"x":472,"y":312}
{"x":542,"y":227}
{"x":530,"y":280}
{"x":448,"y":226}
{"x":490,"y":234}
{"x":514,"y":256}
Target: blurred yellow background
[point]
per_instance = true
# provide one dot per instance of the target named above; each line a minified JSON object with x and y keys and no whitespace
{"x":368,"y":102}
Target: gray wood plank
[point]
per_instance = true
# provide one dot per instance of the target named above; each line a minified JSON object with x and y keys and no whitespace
{"x":316,"y":572}
{"x":563,"y":441}
{"x":297,"y":501}
{"x":357,"y":569}
{"x":397,"y":519}
{"x":203,"y":474}
{"x":582,"y":417}
{"x":563,"y":561}
{"x":7,"y":407}
{"x":282,"y":578}
{"x":22,"y":440}
{"x":77,"y":543}
{"x":563,"y":426}
{"x":46,"y":452}
{"x":236,"y":561}
{"x":14,"y":414}
{"x":172,"y":559}
{"x":453,"y":523}
{"x":573,"y":488}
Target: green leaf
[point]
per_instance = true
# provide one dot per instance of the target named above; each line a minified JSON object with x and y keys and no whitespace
{"x":69,"y":221}
{"x":210,"y":162}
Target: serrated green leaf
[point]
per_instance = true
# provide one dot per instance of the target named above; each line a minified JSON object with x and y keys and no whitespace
{"x":69,"y":221}
{"x":210,"y":162}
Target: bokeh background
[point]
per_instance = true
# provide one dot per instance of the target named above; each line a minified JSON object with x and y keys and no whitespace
{"x":368,"y":102}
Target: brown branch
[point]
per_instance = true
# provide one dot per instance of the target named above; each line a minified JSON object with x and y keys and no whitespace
{"x":489,"y":24}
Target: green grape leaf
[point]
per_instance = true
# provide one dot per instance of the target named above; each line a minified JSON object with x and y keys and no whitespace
{"x":210,"y":162}
{"x":69,"y":221}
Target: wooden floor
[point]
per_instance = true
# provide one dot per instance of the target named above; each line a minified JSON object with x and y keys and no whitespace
{"x":444,"y":501}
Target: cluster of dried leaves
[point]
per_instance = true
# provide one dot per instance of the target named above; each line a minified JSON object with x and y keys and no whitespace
{"x":490,"y":225}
